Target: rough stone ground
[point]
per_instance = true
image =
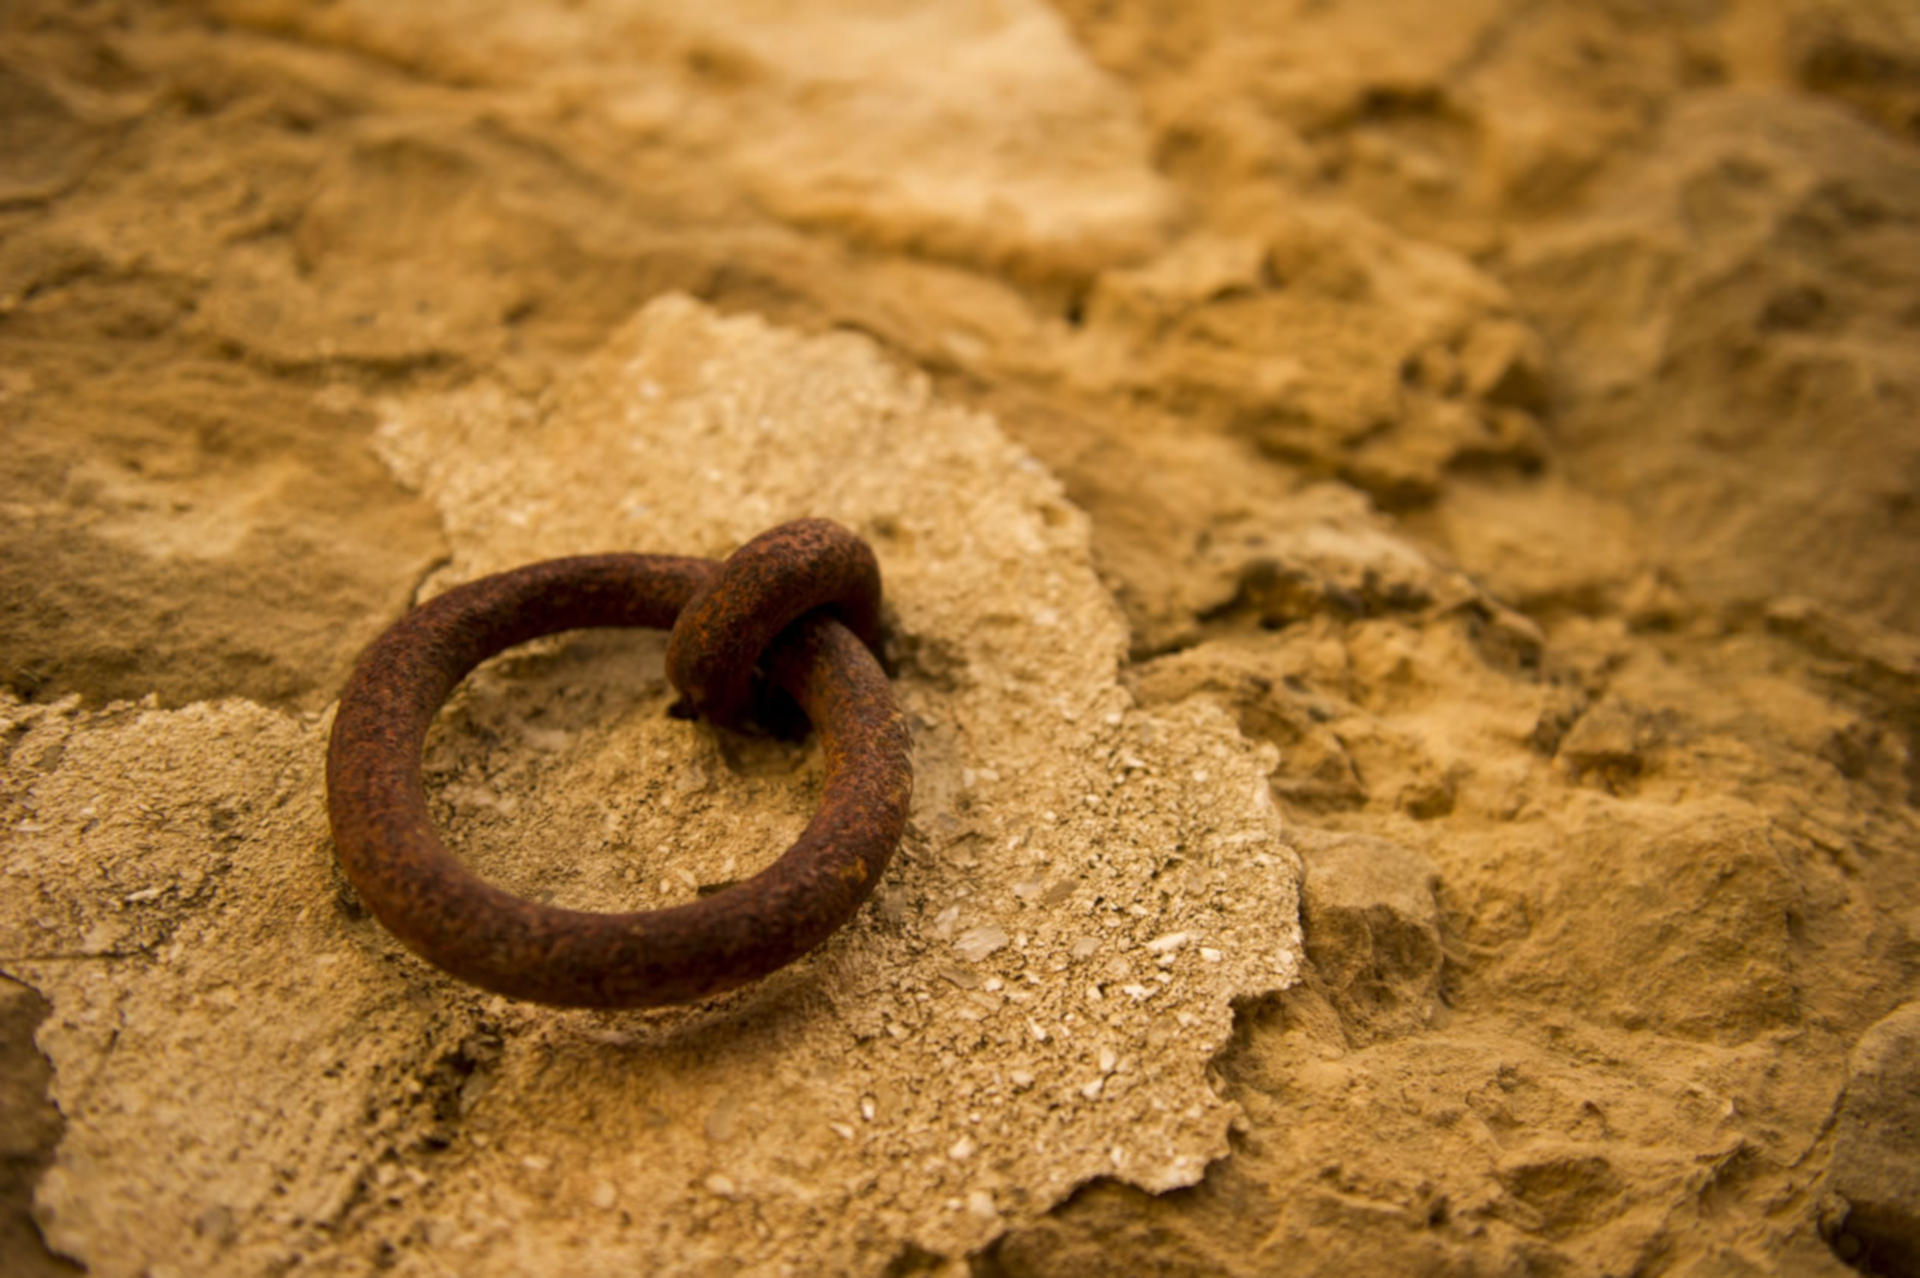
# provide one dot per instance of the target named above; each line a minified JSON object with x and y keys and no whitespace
{"x":1491,"y":422}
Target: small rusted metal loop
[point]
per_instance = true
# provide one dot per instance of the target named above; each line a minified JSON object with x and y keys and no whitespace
{"x":410,"y":881}
{"x":761,"y":589}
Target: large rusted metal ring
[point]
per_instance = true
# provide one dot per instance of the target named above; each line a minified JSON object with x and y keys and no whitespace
{"x":442,"y":911}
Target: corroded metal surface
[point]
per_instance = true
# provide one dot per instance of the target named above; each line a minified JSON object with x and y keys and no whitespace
{"x":423,"y":894}
{"x":764,"y":587}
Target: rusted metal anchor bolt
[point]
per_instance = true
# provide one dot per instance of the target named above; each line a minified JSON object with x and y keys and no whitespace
{"x":800,"y":602}
{"x":764,"y":587}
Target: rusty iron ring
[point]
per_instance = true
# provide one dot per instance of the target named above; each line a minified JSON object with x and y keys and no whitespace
{"x":405,"y":875}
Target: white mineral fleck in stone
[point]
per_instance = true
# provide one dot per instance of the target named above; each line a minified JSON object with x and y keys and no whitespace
{"x":977,"y":943}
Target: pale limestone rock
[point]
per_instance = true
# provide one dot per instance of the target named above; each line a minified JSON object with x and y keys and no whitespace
{"x":1372,"y":930}
{"x":956,"y":130}
{"x":1732,"y":336}
{"x":1876,"y":1144}
{"x":1329,"y":340}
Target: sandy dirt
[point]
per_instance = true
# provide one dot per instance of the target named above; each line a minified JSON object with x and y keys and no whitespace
{"x":1400,"y":526}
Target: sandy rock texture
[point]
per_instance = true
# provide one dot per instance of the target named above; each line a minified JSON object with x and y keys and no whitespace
{"x":1879,"y":1123}
{"x":1399,"y":521}
{"x":1033,"y":1001}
